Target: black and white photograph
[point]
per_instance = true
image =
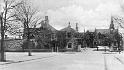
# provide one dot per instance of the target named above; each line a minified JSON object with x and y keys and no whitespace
{"x":61,"y":34}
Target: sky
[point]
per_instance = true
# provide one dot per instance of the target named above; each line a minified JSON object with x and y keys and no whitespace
{"x":89,"y":14}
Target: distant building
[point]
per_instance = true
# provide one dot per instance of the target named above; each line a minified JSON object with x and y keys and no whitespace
{"x":111,"y":34}
{"x":110,"y":30}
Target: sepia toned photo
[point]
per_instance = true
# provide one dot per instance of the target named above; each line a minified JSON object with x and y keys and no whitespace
{"x":61,"y":34}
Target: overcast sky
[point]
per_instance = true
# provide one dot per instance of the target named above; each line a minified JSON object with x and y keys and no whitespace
{"x":89,"y":14}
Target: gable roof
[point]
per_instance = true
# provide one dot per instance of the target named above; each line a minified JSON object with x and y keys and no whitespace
{"x":48,"y":26}
{"x":68,"y":29}
{"x":102,"y":31}
{"x":105,"y":31}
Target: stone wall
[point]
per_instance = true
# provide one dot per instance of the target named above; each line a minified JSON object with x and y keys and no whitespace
{"x":13,"y":44}
{"x":16,"y":46}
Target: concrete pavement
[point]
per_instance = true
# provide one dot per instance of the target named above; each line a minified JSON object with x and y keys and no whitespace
{"x":17,"y":57}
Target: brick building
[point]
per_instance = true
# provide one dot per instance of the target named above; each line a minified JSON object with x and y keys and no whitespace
{"x":47,"y":37}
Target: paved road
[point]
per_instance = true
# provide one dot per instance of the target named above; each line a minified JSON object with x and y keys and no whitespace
{"x":85,"y":60}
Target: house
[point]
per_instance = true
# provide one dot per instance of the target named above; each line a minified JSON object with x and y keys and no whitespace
{"x":43,"y":35}
{"x":70,"y":40}
{"x":47,"y":37}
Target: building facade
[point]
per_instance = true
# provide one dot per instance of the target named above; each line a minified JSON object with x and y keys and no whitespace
{"x":47,"y":37}
{"x":69,"y":39}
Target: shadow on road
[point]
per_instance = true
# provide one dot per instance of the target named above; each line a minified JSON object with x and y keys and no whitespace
{"x":12,"y":61}
{"x":101,"y":50}
{"x":109,"y":53}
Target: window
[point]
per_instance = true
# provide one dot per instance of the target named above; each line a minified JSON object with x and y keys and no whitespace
{"x":53,"y":36}
{"x":69,"y":34}
{"x":82,"y":46}
{"x":69,"y":45}
{"x":115,"y":44}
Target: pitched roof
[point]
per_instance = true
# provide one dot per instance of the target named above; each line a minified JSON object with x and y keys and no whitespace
{"x":105,"y":31}
{"x":48,"y":26}
{"x":102,"y":31}
{"x":68,"y":29}
{"x":51,"y":27}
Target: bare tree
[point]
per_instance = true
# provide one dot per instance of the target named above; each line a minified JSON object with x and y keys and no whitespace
{"x":27,"y":15}
{"x":9,"y":5}
{"x":119,"y":20}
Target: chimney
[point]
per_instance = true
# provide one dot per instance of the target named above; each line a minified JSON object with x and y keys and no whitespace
{"x":46,"y":20}
{"x":46,"y":17}
{"x":77,"y":27}
{"x":69,"y":24}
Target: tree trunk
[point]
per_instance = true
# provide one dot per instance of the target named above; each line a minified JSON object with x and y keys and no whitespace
{"x":28,"y":40}
{"x":2,"y":41}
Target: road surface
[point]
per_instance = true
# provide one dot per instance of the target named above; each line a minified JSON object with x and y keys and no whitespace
{"x":85,"y":60}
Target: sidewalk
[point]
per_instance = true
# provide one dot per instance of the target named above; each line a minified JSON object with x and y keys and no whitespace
{"x":112,"y":63}
{"x":120,"y":57}
{"x":17,"y":57}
